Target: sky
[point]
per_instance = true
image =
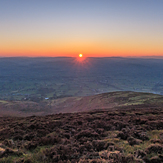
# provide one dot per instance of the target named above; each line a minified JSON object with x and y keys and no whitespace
{"x":95,"y":28}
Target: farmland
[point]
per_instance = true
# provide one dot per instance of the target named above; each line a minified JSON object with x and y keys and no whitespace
{"x":34,"y":79}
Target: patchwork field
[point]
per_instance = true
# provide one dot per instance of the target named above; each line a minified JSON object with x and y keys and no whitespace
{"x":34,"y":79}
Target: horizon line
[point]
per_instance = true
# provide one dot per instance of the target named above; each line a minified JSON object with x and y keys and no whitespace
{"x":146,"y":57}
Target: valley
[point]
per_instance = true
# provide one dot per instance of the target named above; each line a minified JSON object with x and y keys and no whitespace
{"x":59,"y":110}
{"x":36,"y":79}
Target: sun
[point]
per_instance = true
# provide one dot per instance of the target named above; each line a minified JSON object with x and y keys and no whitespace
{"x":80,"y":59}
{"x":80,"y":55}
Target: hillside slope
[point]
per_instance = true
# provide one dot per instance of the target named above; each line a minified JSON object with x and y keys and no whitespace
{"x":111,"y":127}
{"x":79,"y":104}
{"x":105,"y":101}
{"x":127,"y":135}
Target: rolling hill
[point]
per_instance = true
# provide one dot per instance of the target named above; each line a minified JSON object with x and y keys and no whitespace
{"x":111,"y":127}
{"x":79,"y":104}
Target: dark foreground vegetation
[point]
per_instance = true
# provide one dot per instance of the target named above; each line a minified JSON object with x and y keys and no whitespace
{"x":126,"y":134}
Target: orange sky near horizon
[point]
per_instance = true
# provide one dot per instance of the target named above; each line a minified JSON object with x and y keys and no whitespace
{"x":103,"y":49}
{"x":94,"y":28}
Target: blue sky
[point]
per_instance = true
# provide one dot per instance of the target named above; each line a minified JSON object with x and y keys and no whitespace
{"x":92,"y":27}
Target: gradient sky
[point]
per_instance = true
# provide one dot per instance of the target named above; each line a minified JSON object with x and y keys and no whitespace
{"x":95,"y":28}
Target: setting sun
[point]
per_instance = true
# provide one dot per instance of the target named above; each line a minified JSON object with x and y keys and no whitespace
{"x":80,"y":55}
{"x":80,"y":58}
